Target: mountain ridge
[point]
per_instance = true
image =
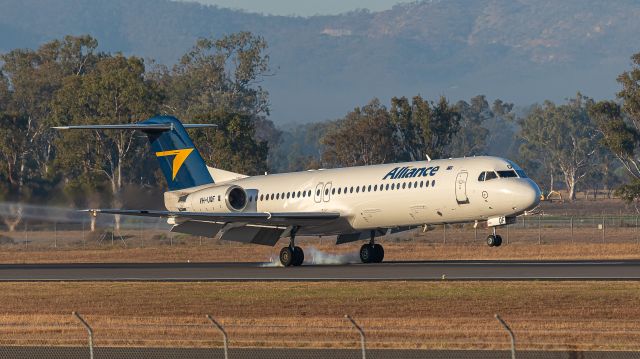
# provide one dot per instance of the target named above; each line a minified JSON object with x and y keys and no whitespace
{"x":522,"y":51}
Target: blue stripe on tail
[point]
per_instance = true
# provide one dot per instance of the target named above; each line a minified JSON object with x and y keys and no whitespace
{"x":179,"y":160}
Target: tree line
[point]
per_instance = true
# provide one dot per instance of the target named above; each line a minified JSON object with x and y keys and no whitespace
{"x":69,"y":81}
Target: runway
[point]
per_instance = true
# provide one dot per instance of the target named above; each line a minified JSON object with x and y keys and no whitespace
{"x":388,"y":271}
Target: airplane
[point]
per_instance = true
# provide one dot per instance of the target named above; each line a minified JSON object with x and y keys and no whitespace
{"x":353,"y":203}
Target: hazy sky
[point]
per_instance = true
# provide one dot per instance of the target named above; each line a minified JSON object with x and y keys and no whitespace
{"x":303,"y":7}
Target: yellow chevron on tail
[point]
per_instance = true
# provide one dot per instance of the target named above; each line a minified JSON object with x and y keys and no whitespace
{"x":178,"y":160}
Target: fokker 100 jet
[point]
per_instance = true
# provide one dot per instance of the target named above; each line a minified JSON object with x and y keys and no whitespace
{"x":354,"y":203}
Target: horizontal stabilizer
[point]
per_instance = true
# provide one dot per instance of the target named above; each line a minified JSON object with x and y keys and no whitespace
{"x":136,"y":126}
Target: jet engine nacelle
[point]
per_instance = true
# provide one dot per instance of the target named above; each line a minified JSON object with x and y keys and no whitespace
{"x":217,"y":199}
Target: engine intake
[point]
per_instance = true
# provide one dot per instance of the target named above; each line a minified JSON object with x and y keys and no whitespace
{"x":236,"y":198}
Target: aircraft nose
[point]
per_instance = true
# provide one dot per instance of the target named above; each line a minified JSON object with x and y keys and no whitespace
{"x":530,"y":195}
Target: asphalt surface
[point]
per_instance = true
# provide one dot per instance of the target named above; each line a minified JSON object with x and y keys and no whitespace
{"x":401,"y":271}
{"x":280,"y":353}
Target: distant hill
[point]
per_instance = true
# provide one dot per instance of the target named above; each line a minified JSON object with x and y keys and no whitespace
{"x":522,"y":51}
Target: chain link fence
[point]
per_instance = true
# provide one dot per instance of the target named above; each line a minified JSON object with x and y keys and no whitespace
{"x":140,"y":233}
{"x":77,"y":336}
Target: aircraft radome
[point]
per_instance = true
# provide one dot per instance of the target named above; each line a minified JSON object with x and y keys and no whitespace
{"x":354,"y":203}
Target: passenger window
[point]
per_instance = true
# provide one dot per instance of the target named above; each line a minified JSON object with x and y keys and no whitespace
{"x":261,"y":197}
{"x":278,"y":196}
{"x":351,"y":190}
{"x":421,"y":184}
{"x":393,"y":186}
{"x":490,"y":175}
{"x":326,"y":192}
{"x":507,"y":174}
{"x":387,"y":187}
{"x":298,"y":194}
{"x":357,"y":189}
{"x":333,"y":191}
{"x":404,"y":185}
{"x":481,"y":177}
{"x":318,"y":192}
{"x":375,"y":188}
{"x":288,"y":194}
{"x":339,"y":190}
{"x":369,"y":188}
{"x":433,"y":183}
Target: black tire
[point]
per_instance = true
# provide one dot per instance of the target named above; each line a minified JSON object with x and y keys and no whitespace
{"x":379,"y":253}
{"x":367,"y":253}
{"x":298,"y":256}
{"x":498,"y":241}
{"x":286,"y":256}
{"x":491,"y":240}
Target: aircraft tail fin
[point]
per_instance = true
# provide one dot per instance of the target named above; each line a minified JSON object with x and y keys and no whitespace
{"x":179,"y":160}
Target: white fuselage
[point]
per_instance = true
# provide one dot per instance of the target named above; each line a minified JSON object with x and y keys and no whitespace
{"x":382,"y":196}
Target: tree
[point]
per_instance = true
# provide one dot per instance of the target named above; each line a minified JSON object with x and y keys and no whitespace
{"x":565,"y":136}
{"x":471,"y":138}
{"x":223,"y":76}
{"x":232,"y":145}
{"x":443,"y":125}
{"x":116,"y":91}
{"x":363,"y":137}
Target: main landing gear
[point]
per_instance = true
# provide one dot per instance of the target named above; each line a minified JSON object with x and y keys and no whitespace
{"x":371,"y":252}
{"x":292,"y":255}
{"x":494,"y":240}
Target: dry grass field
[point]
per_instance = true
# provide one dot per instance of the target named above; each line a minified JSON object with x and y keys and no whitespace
{"x":323,"y":252}
{"x":544,"y":315}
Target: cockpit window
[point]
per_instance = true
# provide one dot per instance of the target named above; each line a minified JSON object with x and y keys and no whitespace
{"x":521,"y":174}
{"x":490,"y":175}
{"x":507,"y":174}
{"x":481,"y":177}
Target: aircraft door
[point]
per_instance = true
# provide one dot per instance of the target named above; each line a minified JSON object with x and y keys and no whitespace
{"x":326,"y":196}
{"x":317,"y":194}
{"x":461,"y":187}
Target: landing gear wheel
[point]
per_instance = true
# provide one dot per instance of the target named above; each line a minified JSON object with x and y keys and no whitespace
{"x":379,"y":253}
{"x":298,"y":256}
{"x":498,"y":241}
{"x":491,"y":240}
{"x":367,"y":253}
{"x":286,"y":256}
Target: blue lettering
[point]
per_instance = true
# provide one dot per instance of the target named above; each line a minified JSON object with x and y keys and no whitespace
{"x":391,"y":174}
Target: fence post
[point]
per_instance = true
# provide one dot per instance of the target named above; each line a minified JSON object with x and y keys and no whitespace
{"x":444,"y":228}
{"x":224,"y":335}
{"x":89,"y":330}
{"x":571,"y":229}
{"x":361,"y":332}
{"x":55,"y":234}
{"x":603,"y":230}
{"x":511,"y":336}
{"x":539,"y":229}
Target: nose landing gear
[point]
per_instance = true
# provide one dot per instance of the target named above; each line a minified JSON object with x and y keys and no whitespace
{"x":371,"y":252}
{"x":494,"y":240}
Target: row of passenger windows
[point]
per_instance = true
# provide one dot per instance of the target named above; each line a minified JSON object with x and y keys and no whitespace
{"x":348,"y":190}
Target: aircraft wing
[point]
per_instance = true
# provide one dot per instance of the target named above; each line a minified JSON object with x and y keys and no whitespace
{"x":258,"y":218}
